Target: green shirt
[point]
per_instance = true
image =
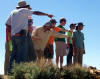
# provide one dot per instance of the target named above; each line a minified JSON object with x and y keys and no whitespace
{"x":60,"y":39}
{"x":70,"y":40}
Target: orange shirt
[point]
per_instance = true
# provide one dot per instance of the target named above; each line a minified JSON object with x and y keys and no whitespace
{"x":51,"y":39}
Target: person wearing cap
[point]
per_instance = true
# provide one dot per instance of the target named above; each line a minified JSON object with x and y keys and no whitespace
{"x":78,"y":45}
{"x":60,"y":44}
{"x":18,"y":21}
{"x":49,"y":51}
{"x":70,"y":45}
{"x":43,"y":34}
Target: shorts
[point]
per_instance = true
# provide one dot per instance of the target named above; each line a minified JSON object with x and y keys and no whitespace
{"x":49,"y":52}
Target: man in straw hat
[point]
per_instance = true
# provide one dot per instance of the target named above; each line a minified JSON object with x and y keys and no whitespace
{"x":18,"y":21}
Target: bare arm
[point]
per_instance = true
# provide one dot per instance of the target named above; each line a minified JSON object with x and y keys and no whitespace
{"x":65,"y":30}
{"x":9,"y":36}
{"x":83,"y":48}
{"x":59,"y":35}
{"x":41,"y":13}
{"x":8,"y":25}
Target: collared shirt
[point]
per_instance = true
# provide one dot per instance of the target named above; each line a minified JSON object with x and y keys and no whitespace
{"x":44,"y":36}
{"x":78,"y":38}
{"x":18,"y":20}
{"x":62,"y":32}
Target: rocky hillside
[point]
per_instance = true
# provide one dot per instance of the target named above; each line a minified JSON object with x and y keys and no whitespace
{"x":94,"y":72}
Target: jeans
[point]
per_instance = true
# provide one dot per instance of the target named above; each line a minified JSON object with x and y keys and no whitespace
{"x":19,"y":50}
{"x":70,"y":54}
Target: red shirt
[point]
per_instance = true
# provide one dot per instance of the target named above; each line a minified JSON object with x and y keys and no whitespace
{"x":8,"y":30}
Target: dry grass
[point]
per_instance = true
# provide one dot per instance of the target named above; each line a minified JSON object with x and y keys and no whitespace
{"x":46,"y":70}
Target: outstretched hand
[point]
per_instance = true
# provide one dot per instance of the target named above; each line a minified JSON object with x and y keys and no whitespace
{"x":50,"y":16}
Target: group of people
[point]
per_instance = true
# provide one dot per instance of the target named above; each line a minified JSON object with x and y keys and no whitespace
{"x":25,"y":43}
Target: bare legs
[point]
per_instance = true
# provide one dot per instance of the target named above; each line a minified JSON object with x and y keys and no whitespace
{"x":61,"y":60}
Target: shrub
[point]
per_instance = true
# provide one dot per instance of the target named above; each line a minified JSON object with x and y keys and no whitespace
{"x":75,"y":72}
{"x":37,"y":70}
{"x":45,"y":70}
{"x":25,"y":71}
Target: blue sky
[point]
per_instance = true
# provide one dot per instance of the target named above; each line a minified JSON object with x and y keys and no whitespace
{"x":86,"y":11}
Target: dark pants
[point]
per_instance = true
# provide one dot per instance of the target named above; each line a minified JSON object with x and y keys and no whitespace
{"x":19,"y":50}
{"x":23,"y":50}
{"x":69,"y":56}
{"x":49,"y":52}
{"x":31,"y":51}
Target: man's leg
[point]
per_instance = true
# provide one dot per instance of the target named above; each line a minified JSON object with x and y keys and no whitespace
{"x":80,"y":57}
{"x":22,"y":49}
{"x":57,"y":60}
{"x":19,"y":51}
{"x":69,"y":59}
{"x":31,"y":51}
{"x":61,"y":61}
{"x":46,"y":53}
{"x":7,"y":57}
{"x":70,"y":54}
{"x":12,"y":55}
{"x":39,"y":55}
{"x":51,"y":53}
{"x":75,"y":57}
